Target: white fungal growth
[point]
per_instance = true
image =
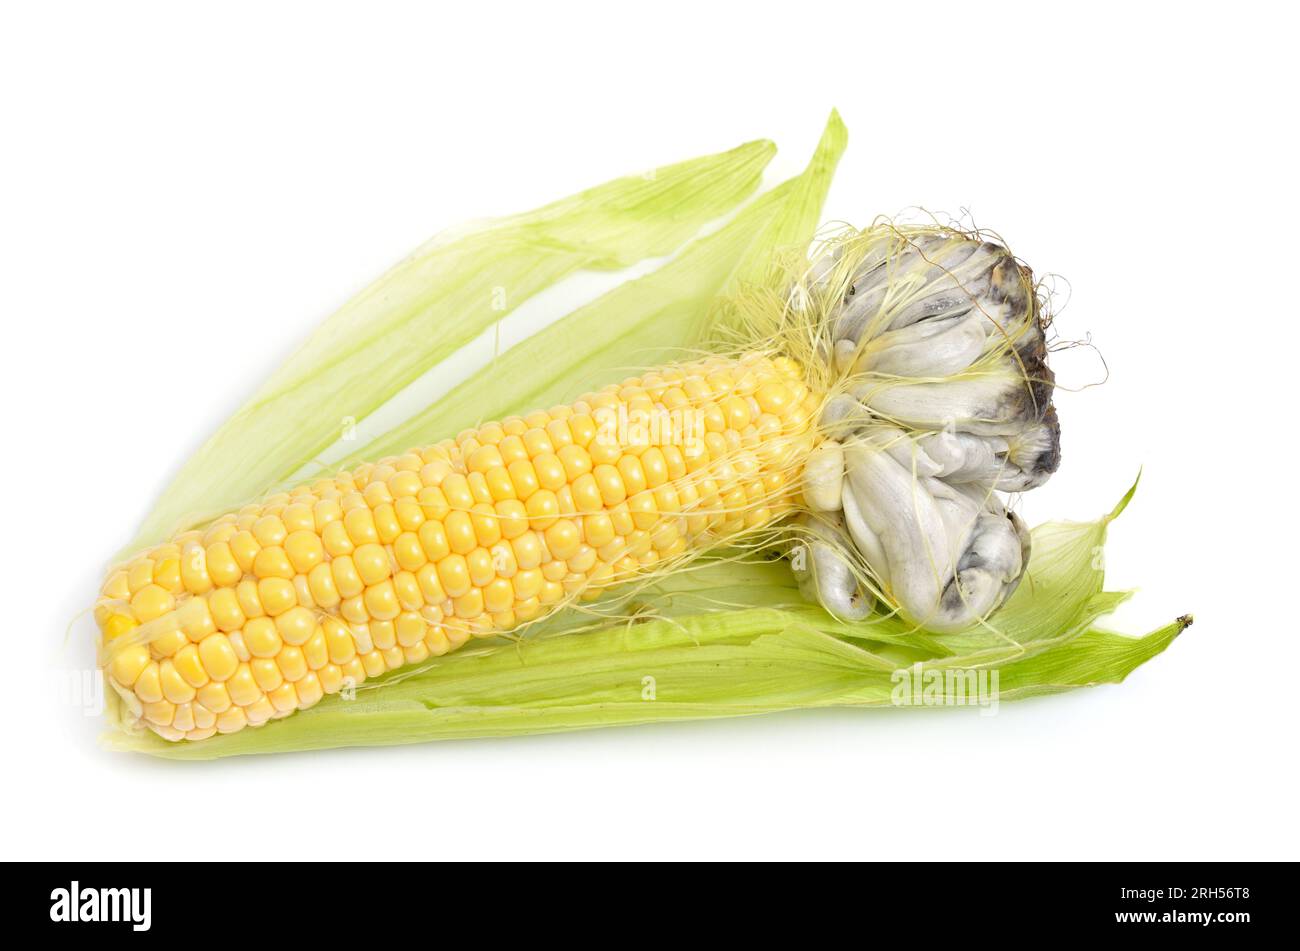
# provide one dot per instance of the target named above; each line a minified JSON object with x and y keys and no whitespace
{"x":941,"y":398}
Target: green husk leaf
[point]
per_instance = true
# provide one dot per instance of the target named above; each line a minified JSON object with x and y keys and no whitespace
{"x":400,"y":326}
{"x":688,"y":663}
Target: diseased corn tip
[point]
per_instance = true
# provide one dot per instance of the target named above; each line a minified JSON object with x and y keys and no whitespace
{"x":271,"y":608}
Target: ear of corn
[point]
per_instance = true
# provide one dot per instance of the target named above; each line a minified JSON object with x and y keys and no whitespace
{"x":274,"y":606}
{"x":734,"y":637}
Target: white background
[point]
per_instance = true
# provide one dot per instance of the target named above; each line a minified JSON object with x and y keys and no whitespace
{"x":185,"y":194}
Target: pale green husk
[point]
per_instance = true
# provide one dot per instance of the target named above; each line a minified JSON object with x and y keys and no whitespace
{"x":725,"y":637}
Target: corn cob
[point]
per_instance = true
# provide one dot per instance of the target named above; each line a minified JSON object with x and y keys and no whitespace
{"x":266,"y":610}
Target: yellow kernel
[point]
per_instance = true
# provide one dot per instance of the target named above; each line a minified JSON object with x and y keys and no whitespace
{"x":259,"y":711}
{"x":457,"y":492}
{"x":654,"y":467}
{"x":498,"y":595}
{"x":527,"y":583}
{"x":189,"y":665}
{"x":119,"y":624}
{"x":338,"y":641}
{"x":284,"y":698}
{"x":453,"y":575}
{"x":353,"y":610}
{"x":224,"y":607}
{"x":269,"y":531}
{"x":480,"y":566}
{"x":409,"y":628}
{"x":325,"y":512}
{"x":470,"y":604}
{"x":218,"y":656}
{"x":309,"y":691}
{"x":502,"y":556}
{"x":151,"y":601}
{"x":139,"y":574}
{"x":232,"y":720}
{"x":643,"y":509}
{"x":558,"y":429}
{"x":408,"y":551}
{"x":542,"y":508}
{"x":523,"y":478}
{"x":168,"y":643}
{"x":408,"y":591}
{"x":194,"y":570}
{"x":346,"y":578}
{"x":183,"y":718}
{"x":214,"y":697}
{"x":277,"y":595}
{"x":160,"y":712}
{"x":116,"y":587}
{"x":316,"y":651}
{"x":585,"y":494}
{"x":575,"y":460}
{"x":484,"y":458}
{"x":405,"y":484}
{"x":242,"y":687}
{"x":498,"y":483}
{"x":381,"y":601}
{"x":360,"y":525}
{"x":272,"y":562}
{"x":550,"y":472}
{"x":244,"y":548}
{"x":304,"y":550}
{"x":331,"y":678}
{"x":633,"y":474}
{"x":430,"y":587}
{"x":675,"y":463}
{"x":261,"y":637}
{"x":374,"y":664}
{"x":527,"y":549}
{"x":129,"y":663}
{"x":610,"y":482}
{"x":410,"y":514}
{"x":487,"y":530}
{"x":376,"y":492}
{"x":297,"y":517}
{"x":336,"y":540}
{"x":536,"y":441}
{"x":562,"y":539}
{"x":461,"y":535}
{"x":148,"y":687}
{"x":583,"y":560}
{"x":436,"y":641}
{"x":291,"y":663}
{"x":582,"y":429}
{"x":250,"y":602}
{"x":598,"y":530}
{"x":320,"y":583}
{"x":371,"y":563}
{"x":774,"y":397}
{"x":383,"y":635}
{"x":433,"y":539}
{"x":196,"y":619}
{"x":387,"y":527}
{"x":167,"y":574}
{"x":295,"y":625}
